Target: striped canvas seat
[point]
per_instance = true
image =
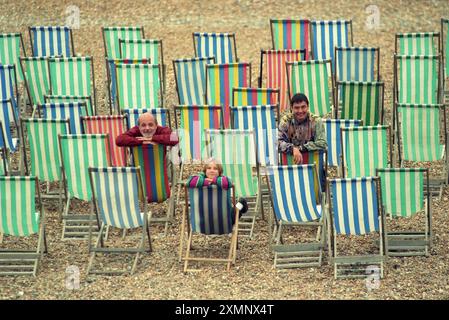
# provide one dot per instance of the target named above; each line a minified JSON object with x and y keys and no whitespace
{"x":37,"y":80}
{"x":417,"y":43}
{"x":254,"y":96}
{"x":112,"y":36}
{"x":291,"y":34}
{"x":445,"y":48}
{"x":72,"y":111}
{"x":357,"y":64}
{"x":3,"y":166}
{"x":7,"y":140}
{"x":49,"y":41}
{"x":11,"y":49}
{"x":221,"y":46}
{"x":328,"y":34}
{"x":132,"y":115}
{"x":9,"y":88}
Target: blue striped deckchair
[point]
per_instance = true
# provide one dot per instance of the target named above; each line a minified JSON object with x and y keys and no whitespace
{"x":355,"y":209}
{"x":51,"y":41}
{"x":11,"y":49}
{"x":190,"y":79}
{"x":162,"y":116}
{"x":49,"y":98}
{"x":417,"y":43}
{"x":9,"y":87}
{"x":8,"y":142}
{"x":72,"y":111}
{"x":219,"y":45}
{"x":357,"y":64}
{"x":37,"y":82}
{"x":403,"y":197}
{"x":21,"y":215}
{"x":117,"y":197}
{"x":211,"y":211}
{"x":294,"y":203}
{"x":254,"y":96}
{"x":290,"y":34}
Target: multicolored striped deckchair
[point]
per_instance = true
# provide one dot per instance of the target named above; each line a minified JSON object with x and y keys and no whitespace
{"x":132,"y":116}
{"x":190,"y":79}
{"x":51,"y":41}
{"x":116,"y":193}
{"x":9,"y":88}
{"x":254,"y":96}
{"x":333,"y":138}
{"x":138,"y":86}
{"x":37,"y":82}
{"x":328,"y":34}
{"x":357,"y":64}
{"x":219,"y":45}
{"x":21,"y":217}
{"x":417,"y":43}
{"x":220,"y":79}
{"x":73,"y":77}
{"x":11,"y":49}
{"x":7,"y":141}
{"x":79,"y":152}
{"x":112,"y":36}
{"x":113,"y":126}
{"x":211,"y":211}
{"x":295,"y":203}
{"x":276,"y":72}
{"x":361,"y":100}
{"x":445,"y":50}
{"x":355,"y":209}
{"x":403,"y":197}
{"x":72,"y":111}
{"x":290,"y":34}
{"x":365,"y":149}
{"x":314,"y":80}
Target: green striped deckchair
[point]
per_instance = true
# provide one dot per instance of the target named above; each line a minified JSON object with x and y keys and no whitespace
{"x":3,"y":166}
{"x":73,"y":77}
{"x":254,"y":96}
{"x":78,"y":153}
{"x":21,"y":215}
{"x":417,"y":43}
{"x":138,"y":86}
{"x":313,"y":79}
{"x":357,"y":64}
{"x":117,"y":201}
{"x":11,"y":49}
{"x":361,"y":101}
{"x":445,"y":52}
{"x":403,"y":197}
{"x":112,"y":36}
{"x":236,"y":150}
{"x":37,"y":82}
{"x":365,"y":149}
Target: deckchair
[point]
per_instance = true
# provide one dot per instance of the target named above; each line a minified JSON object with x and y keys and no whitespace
{"x":112,"y":36}
{"x":294,"y":203}
{"x":51,"y":41}
{"x":72,"y":111}
{"x":220,"y":79}
{"x":403,"y":198}
{"x":357,"y":64}
{"x":361,"y":100}
{"x":49,"y":98}
{"x":291,"y":34}
{"x":162,"y":116}
{"x":254,"y":96}
{"x":190,"y":79}
{"x":11,"y":49}
{"x":156,"y":185}
{"x":313,"y":78}
{"x":21,"y":215}
{"x":445,"y":53}
{"x":365,"y":149}
{"x":73,"y":77}
{"x":236,"y":150}
{"x":355,"y":209}
{"x":219,"y":45}
{"x":276,"y":72}
{"x":113,"y":126}
{"x":78,"y":153}
{"x":209,"y":211}
{"x":10,"y":142}
{"x":3,"y":167}
{"x":417,"y":43}
{"x":37,"y":82}
{"x":9,"y":87}
{"x":117,"y":201}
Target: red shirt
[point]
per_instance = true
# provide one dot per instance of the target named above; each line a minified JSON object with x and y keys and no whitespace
{"x":163,"y":135}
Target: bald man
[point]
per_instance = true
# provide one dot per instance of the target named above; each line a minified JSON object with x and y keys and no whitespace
{"x":147,"y":132}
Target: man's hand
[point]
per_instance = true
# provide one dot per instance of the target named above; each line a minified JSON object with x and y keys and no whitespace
{"x":146,"y":140}
{"x":297,"y":156}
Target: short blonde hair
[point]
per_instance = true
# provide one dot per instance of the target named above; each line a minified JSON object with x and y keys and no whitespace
{"x":217,"y":163}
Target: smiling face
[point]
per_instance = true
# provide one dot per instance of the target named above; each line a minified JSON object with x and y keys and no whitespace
{"x":212,"y":170}
{"x":147,"y":125}
{"x":300,"y":110}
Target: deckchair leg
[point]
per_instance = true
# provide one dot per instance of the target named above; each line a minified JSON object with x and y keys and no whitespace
{"x":66,"y":211}
{"x":189,"y":242}
{"x":123,"y":234}
{"x":181,"y":241}
{"x":147,"y":227}
{"x":179,"y":187}
{"x":1,"y":238}
{"x":92,"y":254}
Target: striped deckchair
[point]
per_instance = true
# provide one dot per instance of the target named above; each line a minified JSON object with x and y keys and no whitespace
{"x":21,"y":215}
{"x":112,"y":36}
{"x":11,"y":49}
{"x":9,"y":87}
{"x":112,"y":125}
{"x":333,"y":138}
{"x":355,"y":209}
{"x":276,"y":72}
{"x":290,"y":34}
{"x":445,"y":52}
{"x":73,"y":77}
{"x":314,"y":80}
{"x":132,"y":115}
{"x":254,"y":96}
{"x":78,"y":153}
{"x":361,"y":100}
{"x":51,"y":41}
{"x":403,"y":197}
{"x":37,"y":82}
{"x":156,"y":185}
{"x":357,"y":64}
{"x":236,"y":150}
{"x":49,"y":98}
{"x":365,"y":149}
{"x":116,"y":193}
{"x":8,"y":142}
{"x":211,"y":211}
{"x":219,"y":45}
{"x":294,"y":203}
{"x":417,"y":43}
{"x":220,"y":79}
{"x":328,"y":34}
{"x":138,"y":86}
{"x":190,"y":79}
{"x":72,"y":111}
{"x":3,"y":166}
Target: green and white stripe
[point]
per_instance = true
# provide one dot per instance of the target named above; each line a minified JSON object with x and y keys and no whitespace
{"x":35,"y":70}
{"x":142,"y":49}
{"x":10,"y":45}
{"x":112,"y":35}
{"x":420,"y":43}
